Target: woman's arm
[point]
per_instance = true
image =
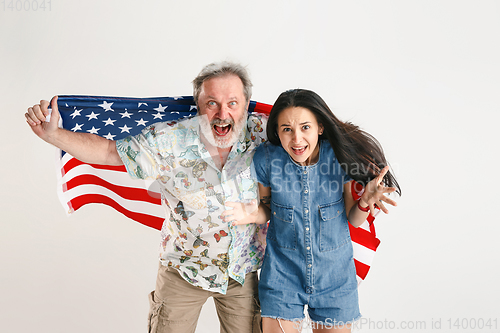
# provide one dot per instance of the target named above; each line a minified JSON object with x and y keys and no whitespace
{"x":373,"y":195}
{"x":244,"y":213}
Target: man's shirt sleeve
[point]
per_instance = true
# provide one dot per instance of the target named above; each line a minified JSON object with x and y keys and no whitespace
{"x":140,"y":154}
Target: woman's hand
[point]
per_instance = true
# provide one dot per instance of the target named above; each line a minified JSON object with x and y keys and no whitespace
{"x":242,"y":213}
{"x":375,"y":192}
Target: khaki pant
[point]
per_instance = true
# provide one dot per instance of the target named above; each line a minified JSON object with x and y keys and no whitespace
{"x":175,"y":305}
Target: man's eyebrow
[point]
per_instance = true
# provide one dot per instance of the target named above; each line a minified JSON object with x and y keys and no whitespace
{"x":230,"y":98}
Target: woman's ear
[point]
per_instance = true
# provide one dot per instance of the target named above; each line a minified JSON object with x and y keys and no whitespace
{"x":320,"y":129}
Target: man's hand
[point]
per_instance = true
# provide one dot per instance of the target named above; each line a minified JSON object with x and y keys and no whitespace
{"x":86,"y":147}
{"x":37,"y":119}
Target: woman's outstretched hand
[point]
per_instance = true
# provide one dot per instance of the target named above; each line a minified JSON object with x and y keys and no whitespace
{"x":374,"y":194}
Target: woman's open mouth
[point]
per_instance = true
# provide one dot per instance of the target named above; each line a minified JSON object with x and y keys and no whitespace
{"x":299,"y":150}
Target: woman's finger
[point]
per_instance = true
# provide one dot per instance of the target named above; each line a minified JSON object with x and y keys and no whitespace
{"x":373,"y":211}
{"x":389,"y":201}
{"x":231,"y":203}
{"x":227,"y":213}
{"x":389,"y":189}
{"x":380,"y":177}
{"x":382,"y":207}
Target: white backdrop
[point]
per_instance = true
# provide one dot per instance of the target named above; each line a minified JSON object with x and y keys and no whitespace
{"x":421,"y":76}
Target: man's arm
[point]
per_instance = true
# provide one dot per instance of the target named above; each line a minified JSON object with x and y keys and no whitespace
{"x":86,"y":147}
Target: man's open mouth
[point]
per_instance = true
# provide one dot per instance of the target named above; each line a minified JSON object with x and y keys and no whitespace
{"x":222,"y":129}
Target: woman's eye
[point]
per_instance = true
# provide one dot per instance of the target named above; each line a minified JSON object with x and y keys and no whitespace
{"x":286,"y":129}
{"x":306,"y":127}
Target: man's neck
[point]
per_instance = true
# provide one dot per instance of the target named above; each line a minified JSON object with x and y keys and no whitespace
{"x":223,"y":153}
{"x":219,"y":155}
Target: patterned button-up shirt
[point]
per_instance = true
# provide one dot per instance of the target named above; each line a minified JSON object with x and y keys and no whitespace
{"x":195,"y":240}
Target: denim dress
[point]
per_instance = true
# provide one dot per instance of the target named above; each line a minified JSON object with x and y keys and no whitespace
{"x":309,"y":255}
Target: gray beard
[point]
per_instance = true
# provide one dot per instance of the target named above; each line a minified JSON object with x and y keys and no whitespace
{"x":226,"y":142}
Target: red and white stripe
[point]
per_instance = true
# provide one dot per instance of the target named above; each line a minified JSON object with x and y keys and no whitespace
{"x":364,"y":239}
{"x":80,"y":184}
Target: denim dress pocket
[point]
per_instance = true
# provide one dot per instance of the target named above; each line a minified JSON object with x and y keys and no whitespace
{"x":282,"y":229}
{"x":333,"y":225}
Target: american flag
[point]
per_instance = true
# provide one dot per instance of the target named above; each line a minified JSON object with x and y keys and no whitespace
{"x":115,"y":118}
{"x":364,"y":239}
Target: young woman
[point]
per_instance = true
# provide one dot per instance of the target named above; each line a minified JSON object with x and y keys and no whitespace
{"x":304,"y":174}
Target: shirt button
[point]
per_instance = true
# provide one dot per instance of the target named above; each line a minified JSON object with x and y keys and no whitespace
{"x":309,"y":265}
{"x":306,"y":191}
{"x":305,"y":172}
{"x":306,"y":211}
{"x":308,"y":248}
{"x":307,"y":228}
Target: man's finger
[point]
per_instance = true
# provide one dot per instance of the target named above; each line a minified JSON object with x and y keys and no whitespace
{"x":30,"y":115}
{"x":55,"y":109}
{"x":37,"y":113}
{"x":44,"y":107}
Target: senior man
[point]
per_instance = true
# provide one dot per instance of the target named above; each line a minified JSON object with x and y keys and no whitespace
{"x":199,"y":163}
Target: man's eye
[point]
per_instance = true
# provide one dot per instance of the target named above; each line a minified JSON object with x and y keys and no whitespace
{"x":232,"y":103}
{"x":211,"y":103}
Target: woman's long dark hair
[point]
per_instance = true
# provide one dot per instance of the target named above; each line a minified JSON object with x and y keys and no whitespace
{"x":360,"y":154}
